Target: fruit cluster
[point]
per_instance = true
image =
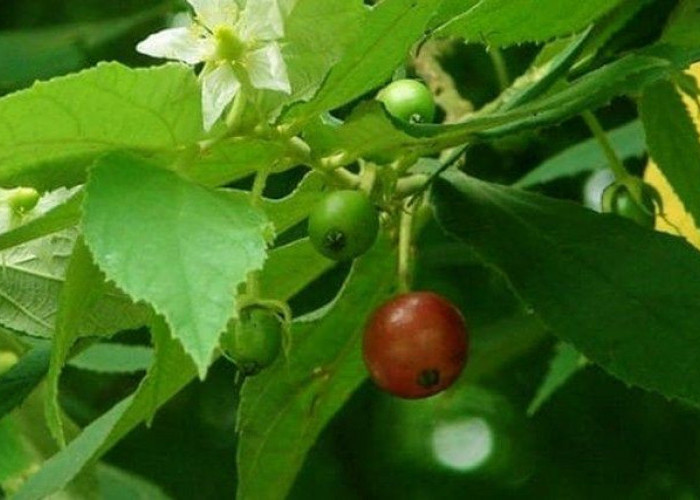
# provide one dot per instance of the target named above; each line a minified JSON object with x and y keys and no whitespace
{"x":416,"y":344}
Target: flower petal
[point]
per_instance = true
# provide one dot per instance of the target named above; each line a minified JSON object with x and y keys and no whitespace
{"x":262,"y":21}
{"x":219,"y":87}
{"x":214,"y":13}
{"x":182,"y":44}
{"x":267,"y":69}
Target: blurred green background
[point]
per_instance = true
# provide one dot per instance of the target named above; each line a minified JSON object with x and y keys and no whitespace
{"x":595,"y":438}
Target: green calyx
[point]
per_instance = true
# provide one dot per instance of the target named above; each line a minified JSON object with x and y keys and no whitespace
{"x":228,"y":46}
{"x":633,"y":200}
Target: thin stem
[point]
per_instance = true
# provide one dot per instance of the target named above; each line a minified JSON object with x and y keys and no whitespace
{"x":256,"y":197}
{"x":344,"y":177}
{"x":410,"y":185}
{"x":453,"y":158}
{"x":405,"y":270}
{"x":368,"y":177}
{"x":235,"y":114}
{"x":258,"y":187}
{"x":602,"y":138}
{"x":499,"y":65}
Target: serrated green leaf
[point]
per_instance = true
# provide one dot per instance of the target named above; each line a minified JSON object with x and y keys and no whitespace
{"x":627,"y":141}
{"x":389,"y":30}
{"x":300,"y":395}
{"x":182,"y":248}
{"x":619,"y":293}
{"x":335,"y":24}
{"x":673,"y":142}
{"x":18,"y":382}
{"x":113,"y":358}
{"x":507,"y":22}
{"x":609,"y":26}
{"x":83,"y":287}
{"x":175,"y":370}
{"x":52,"y":219}
{"x":450,"y":9}
{"x":565,"y":363}
{"x":625,"y":76}
{"x":552,"y":63}
{"x":371,"y":131}
{"x":51,"y":133}
{"x":31,"y":277}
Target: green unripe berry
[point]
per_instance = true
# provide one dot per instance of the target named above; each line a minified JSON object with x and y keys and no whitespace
{"x":23,"y":199}
{"x":255,"y":341}
{"x":408,"y":100}
{"x":343,"y":225}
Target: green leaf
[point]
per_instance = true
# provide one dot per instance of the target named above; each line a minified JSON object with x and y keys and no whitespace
{"x":627,"y":141}
{"x":450,"y":9}
{"x":14,"y":456}
{"x":369,"y":131}
{"x":620,"y":18}
{"x":300,"y":395}
{"x":507,"y":22}
{"x":18,"y":382}
{"x":290,"y":268}
{"x":286,"y":212}
{"x":335,"y":23}
{"x":170,"y":372}
{"x":180,"y":247}
{"x":118,"y":484}
{"x":83,"y":287}
{"x":113,"y":358}
{"x":389,"y":30}
{"x":552,"y":63}
{"x":230,"y":160}
{"x":624,"y":76}
{"x":44,"y":221}
{"x":51,"y":133}
{"x":673,"y":142}
{"x":31,"y":277}
{"x":36,"y":54}
{"x":565,"y":364}
{"x":62,"y":467}
{"x":597,"y":281}
{"x":682,"y":28}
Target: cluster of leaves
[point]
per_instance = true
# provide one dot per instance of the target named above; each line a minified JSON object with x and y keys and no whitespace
{"x":136,"y":229}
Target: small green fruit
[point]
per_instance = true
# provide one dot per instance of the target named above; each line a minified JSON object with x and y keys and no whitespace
{"x":408,"y":100}
{"x":343,"y":225}
{"x":255,"y":341}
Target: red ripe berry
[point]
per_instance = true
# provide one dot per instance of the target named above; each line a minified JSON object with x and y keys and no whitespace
{"x":415,"y":345}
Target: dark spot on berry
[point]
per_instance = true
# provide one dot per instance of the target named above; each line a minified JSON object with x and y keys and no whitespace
{"x":428,"y":378}
{"x":335,"y":240}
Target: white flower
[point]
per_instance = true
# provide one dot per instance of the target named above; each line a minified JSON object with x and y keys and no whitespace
{"x":237,"y":46}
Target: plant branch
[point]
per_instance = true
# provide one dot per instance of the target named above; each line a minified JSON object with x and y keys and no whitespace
{"x":602,"y":138}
